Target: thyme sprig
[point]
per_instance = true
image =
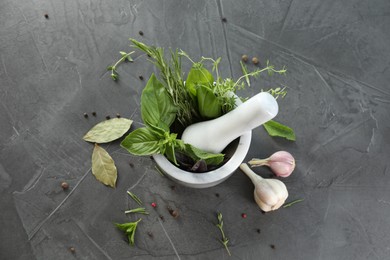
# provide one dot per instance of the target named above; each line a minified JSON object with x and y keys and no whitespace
{"x":224,"y":239}
{"x":124,"y":57}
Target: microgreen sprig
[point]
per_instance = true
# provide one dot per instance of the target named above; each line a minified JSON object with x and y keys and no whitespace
{"x":224,"y":239}
{"x":129,"y":229}
{"x":135,"y":198}
{"x":125,"y":57}
{"x":137,"y":210}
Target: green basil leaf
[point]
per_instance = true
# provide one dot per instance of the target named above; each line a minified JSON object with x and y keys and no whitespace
{"x":208,"y":104}
{"x":103,"y":166}
{"x":197,"y":154}
{"x":170,"y":153}
{"x":198,"y":75}
{"x":142,"y":141}
{"x":157,"y":108}
{"x":274,"y":128}
{"x":108,"y":130}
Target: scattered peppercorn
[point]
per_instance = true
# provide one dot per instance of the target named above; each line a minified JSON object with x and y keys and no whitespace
{"x":141,"y":33}
{"x":243,"y":215}
{"x":118,"y":115}
{"x":85,"y":115}
{"x":272,"y":246}
{"x":72,"y":250}
{"x":217,"y":195}
{"x":141,"y":77}
{"x":162,"y":217}
{"x":150,"y":234}
{"x":131,"y":164}
{"x":175,"y":213}
{"x":255,"y":60}
{"x":108,"y":117}
{"x":64,"y":185}
{"x":258,"y":230}
{"x":154,"y":204}
{"x":94,"y":113}
{"x":244,"y":58}
{"x":224,"y":19}
{"x":46,"y":16}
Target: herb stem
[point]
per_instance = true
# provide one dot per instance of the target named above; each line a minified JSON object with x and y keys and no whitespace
{"x":137,"y":210}
{"x":292,"y":203}
{"x":135,"y":198}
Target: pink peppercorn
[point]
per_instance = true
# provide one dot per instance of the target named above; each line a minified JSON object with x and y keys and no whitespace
{"x":154,"y":204}
{"x":243,"y":215}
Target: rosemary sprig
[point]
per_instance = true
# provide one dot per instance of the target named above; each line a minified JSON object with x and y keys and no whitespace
{"x":292,"y":203}
{"x":224,"y":239}
{"x":137,"y":210}
{"x":129,"y":229}
{"x":135,"y":198}
{"x":125,"y":56}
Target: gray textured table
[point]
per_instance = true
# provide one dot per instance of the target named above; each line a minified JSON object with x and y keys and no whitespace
{"x":53,"y":69}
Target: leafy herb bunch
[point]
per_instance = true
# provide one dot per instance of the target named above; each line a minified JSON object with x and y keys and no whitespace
{"x":172,"y":103}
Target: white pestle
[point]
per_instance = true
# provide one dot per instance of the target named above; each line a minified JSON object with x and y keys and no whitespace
{"x":214,"y":135}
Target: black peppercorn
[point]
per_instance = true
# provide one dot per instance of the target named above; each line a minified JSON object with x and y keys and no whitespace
{"x":272,"y":246}
{"x":224,"y":19}
{"x":141,"y":33}
{"x":141,"y":77}
{"x":118,"y":115}
{"x":108,"y":117}
{"x":46,"y":16}
{"x":85,"y":115}
{"x":94,"y":113}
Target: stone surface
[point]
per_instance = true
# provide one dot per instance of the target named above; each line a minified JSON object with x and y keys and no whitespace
{"x":53,"y":70}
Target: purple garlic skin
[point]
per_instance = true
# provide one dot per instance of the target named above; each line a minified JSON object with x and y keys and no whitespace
{"x":282,"y":163}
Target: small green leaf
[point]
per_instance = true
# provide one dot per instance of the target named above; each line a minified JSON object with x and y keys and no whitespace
{"x":274,"y":128}
{"x":129,"y":229}
{"x":110,"y":68}
{"x":108,"y":130}
{"x":103,"y":166}
{"x":197,"y":154}
{"x":142,"y":141}
{"x":208,"y":104}
{"x":114,"y":76}
{"x":122,"y":53}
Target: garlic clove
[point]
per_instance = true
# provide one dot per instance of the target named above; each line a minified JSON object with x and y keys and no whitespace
{"x":282,"y":163}
{"x":269,"y":194}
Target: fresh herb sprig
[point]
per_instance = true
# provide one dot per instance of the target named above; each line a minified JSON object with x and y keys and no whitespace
{"x":171,"y":75}
{"x":135,"y":197}
{"x":129,"y":229}
{"x":224,"y":239}
{"x":137,"y":210}
{"x":124,"y":57}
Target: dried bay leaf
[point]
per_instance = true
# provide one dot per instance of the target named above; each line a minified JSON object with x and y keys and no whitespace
{"x":108,"y":130}
{"x":103,"y":166}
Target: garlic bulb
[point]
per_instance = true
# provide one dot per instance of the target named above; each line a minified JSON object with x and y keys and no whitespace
{"x":281,"y":163}
{"x":269,"y":194}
